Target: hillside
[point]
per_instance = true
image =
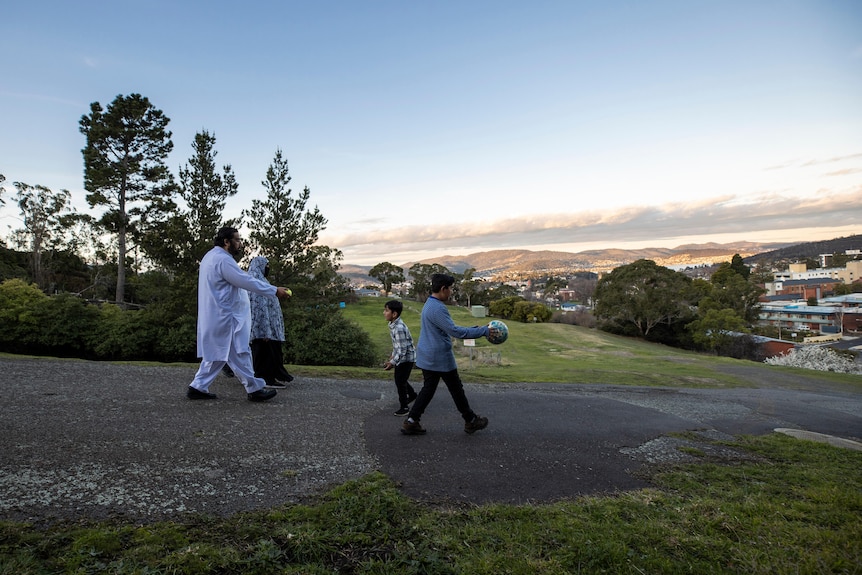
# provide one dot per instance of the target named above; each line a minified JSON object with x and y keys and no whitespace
{"x":513,"y":263}
{"x":808,"y":250}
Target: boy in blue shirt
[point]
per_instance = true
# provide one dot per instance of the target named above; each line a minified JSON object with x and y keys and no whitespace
{"x":434,"y":356}
{"x":403,"y":354}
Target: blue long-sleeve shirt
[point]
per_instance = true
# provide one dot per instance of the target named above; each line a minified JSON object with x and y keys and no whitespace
{"x":434,"y":350}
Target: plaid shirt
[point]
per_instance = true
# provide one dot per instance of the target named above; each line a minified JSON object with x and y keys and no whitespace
{"x":402,"y":343}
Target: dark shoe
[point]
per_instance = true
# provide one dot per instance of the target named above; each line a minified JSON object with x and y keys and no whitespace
{"x":411,"y":398}
{"x":412,"y":428}
{"x":284,"y":376}
{"x":262,"y":395}
{"x":193,"y":393}
{"x":273,"y":384}
{"x":227,"y":371}
{"x":477,"y":424}
{"x":402,"y":411}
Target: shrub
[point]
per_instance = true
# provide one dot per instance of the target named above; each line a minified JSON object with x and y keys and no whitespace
{"x":531,"y":312}
{"x":321,"y":335}
{"x":179,"y":342}
{"x":505,"y":307}
{"x":22,"y":313}
{"x":123,"y":334}
{"x":67,"y":322}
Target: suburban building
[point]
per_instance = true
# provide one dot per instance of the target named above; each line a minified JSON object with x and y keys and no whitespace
{"x":850,"y":300}
{"x":796,"y":316}
{"x":848,"y":274}
{"x":802,"y":288}
{"x":815,"y":318}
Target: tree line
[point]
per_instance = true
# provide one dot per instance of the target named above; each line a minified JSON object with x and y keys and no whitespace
{"x":656,"y":303}
{"x":139,"y":257}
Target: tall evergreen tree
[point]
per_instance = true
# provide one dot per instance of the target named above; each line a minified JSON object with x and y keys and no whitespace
{"x":189,"y":231}
{"x":738,"y":265}
{"x":205,"y":192}
{"x":285,"y":230}
{"x":124,"y":168}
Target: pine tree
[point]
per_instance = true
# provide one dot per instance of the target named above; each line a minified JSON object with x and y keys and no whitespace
{"x":124,"y":168}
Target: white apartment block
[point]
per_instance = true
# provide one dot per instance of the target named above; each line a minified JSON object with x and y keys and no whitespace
{"x":848,"y":274}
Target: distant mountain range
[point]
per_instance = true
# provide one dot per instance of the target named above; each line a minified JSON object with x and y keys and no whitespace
{"x":506,"y":264}
{"x":512,"y":263}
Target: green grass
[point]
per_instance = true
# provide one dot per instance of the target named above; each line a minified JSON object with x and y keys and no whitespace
{"x":554,"y":353}
{"x":794,"y":507}
{"x":559,"y":353}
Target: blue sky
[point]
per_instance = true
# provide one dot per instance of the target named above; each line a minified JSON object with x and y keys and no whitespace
{"x":446,"y":128}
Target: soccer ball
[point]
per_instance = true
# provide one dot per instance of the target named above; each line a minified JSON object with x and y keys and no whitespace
{"x":502,"y":331}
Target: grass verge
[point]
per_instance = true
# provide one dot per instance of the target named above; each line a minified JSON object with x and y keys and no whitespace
{"x":796,"y":507}
{"x":560,"y":353}
{"x":557,"y":353}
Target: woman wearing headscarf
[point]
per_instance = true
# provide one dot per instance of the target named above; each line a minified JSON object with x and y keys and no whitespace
{"x":267,"y":331}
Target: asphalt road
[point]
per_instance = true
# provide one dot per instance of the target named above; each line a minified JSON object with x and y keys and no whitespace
{"x":82,"y":440}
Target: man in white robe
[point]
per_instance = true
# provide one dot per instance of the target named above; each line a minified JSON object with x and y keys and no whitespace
{"x":223,"y":318}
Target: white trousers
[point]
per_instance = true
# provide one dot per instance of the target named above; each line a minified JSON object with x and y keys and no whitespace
{"x":242,"y":368}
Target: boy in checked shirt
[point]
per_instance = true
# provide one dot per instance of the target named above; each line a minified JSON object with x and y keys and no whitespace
{"x":403,"y":355}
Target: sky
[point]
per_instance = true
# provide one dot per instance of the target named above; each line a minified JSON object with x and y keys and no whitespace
{"x":426,"y":129}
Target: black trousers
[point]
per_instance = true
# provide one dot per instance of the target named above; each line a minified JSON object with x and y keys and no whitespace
{"x":431,"y":379}
{"x":405,"y":390}
{"x":268,"y":359}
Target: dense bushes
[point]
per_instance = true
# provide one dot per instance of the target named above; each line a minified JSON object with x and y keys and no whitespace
{"x":321,"y":335}
{"x":518,"y":309}
{"x":67,"y":326}
{"x":529,"y":311}
{"x":20,"y":307}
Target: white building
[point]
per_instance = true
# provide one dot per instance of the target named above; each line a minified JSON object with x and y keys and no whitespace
{"x":848,"y":274}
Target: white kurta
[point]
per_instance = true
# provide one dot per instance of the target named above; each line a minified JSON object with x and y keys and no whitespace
{"x":223,"y":308}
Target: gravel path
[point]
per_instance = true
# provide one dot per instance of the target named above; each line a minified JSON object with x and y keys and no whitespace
{"x":96,"y":440}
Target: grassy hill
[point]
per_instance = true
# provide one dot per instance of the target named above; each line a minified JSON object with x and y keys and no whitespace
{"x":559,"y":353}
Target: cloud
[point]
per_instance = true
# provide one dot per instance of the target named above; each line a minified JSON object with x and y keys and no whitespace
{"x":718,"y":215}
{"x":813,"y":162}
{"x":845,"y":172}
{"x":832,"y":160}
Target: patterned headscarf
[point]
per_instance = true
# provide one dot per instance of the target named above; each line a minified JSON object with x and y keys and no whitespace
{"x":267,"y":319}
